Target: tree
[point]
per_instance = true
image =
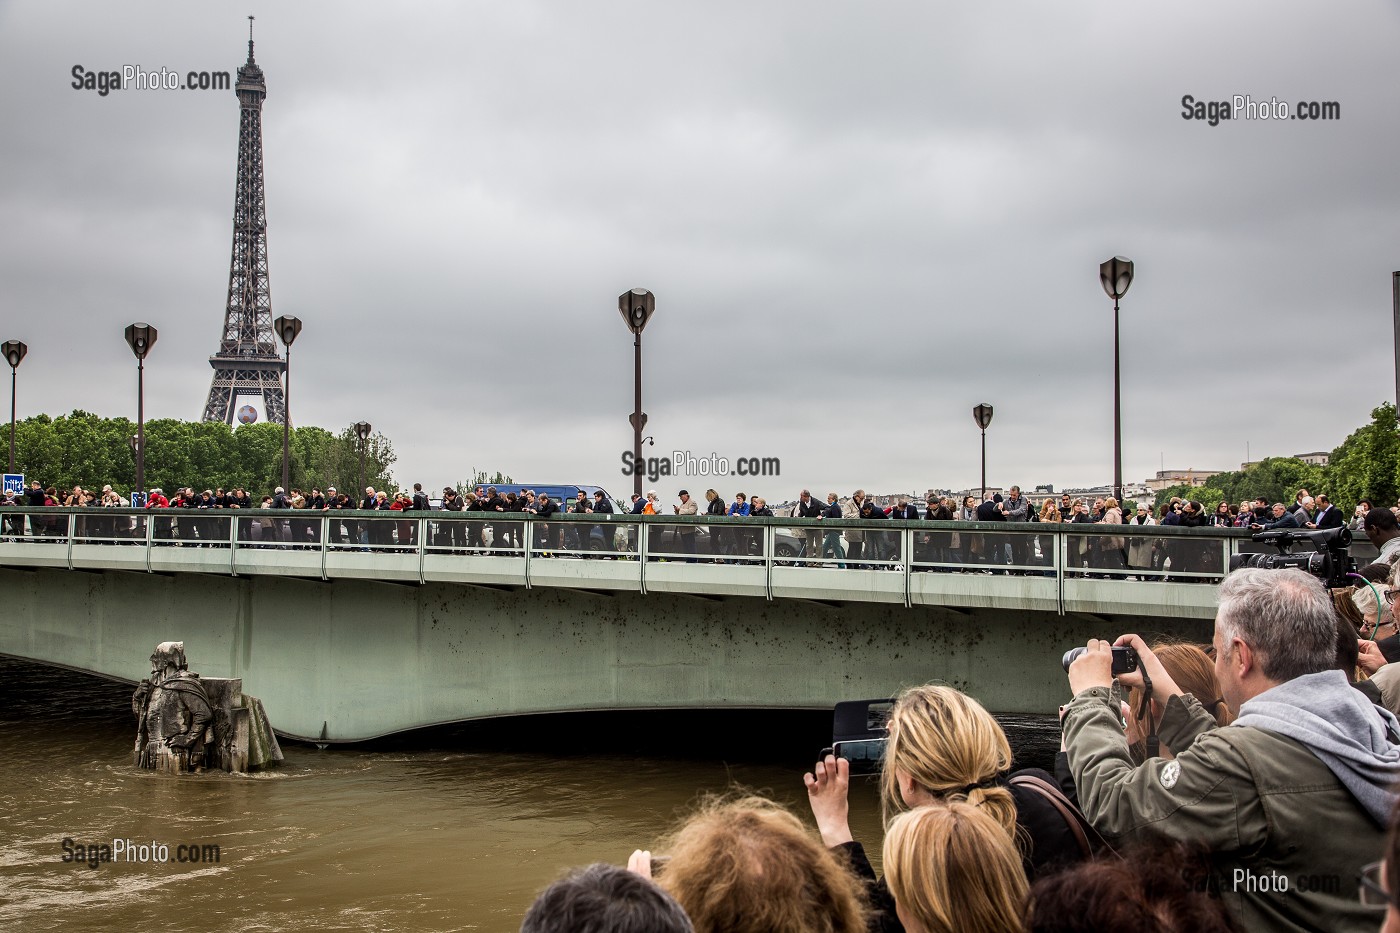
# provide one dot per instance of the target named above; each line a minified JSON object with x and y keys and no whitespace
{"x":1277,"y":479}
{"x":83,"y":449}
{"x":1367,"y":464}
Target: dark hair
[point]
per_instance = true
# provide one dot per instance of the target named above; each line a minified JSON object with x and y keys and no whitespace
{"x":605,"y":899}
{"x":1380,"y":520}
{"x":1159,"y":886}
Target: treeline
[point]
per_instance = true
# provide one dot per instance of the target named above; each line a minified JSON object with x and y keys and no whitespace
{"x":83,"y":449}
{"x":1365,"y":466}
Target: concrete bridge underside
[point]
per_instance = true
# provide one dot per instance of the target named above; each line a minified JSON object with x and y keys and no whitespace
{"x":348,"y":660}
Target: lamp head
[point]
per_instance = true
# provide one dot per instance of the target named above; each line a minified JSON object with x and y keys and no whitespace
{"x":14,"y":351}
{"x":1116,"y":275}
{"x":636,"y":307}
{"x":287,"y":328}
{"x":362,"y":429}
{"x":983,"y":415}
{"x":140,"y":337}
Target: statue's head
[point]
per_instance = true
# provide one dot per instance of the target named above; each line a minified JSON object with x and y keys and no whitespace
{"x":168,"y":656}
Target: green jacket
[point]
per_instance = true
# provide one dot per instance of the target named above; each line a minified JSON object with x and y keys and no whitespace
{"x":1288,"y":840}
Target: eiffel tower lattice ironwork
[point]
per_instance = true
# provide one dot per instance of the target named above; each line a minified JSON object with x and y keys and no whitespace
{"x":247,"y":362}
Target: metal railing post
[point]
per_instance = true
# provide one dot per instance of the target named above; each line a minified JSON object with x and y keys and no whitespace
{"x":642,"y":553}
{"x":233,"y":545}
{"x":1061,"y":548}
{"x":150,"y":537}
{"x":908,"y":545}
{"x":422,"y":550}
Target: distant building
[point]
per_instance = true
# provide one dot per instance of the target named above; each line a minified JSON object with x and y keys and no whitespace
{"x":1316,"y":458}
{"x":1166,"y":478}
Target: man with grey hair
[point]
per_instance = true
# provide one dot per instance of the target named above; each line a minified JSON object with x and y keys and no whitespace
{"x":1292,"y":798}
{"x":605,"y":899}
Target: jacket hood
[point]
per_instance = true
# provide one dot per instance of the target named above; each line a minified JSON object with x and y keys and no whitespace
{"x":1356,"y":739}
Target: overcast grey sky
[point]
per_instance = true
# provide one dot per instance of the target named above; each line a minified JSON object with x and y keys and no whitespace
{"x":859,"y":220}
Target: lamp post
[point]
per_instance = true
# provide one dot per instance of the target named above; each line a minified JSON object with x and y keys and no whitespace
{"x":140,"y":337}
{"x":1395,"y":308}
{"x":636,"y":307}
{"x":287,"y":330}
{"x":982,"y":414}
{"x":1116,"y":275}
{"x":14,"y":352}
{"x":362,"y":429}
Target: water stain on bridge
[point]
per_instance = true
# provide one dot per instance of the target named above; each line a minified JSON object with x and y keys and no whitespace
{"x":452,"y":828}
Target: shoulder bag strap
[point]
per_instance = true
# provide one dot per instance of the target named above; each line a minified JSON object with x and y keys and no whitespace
{"x":1072,"y":817}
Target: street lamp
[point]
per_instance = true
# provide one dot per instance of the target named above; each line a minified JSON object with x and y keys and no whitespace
{"x":287,"y":330}
{"x":362,"y":429}
{"x":982,"y":414}
{"x":1116,"y":275}
{"x":140,"y":337}
{"x":636,"y":307}
{"x":14,"y":352}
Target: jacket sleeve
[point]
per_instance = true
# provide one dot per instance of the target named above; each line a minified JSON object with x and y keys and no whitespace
{"x":1206,"y":793}
{"x":883,"y":918}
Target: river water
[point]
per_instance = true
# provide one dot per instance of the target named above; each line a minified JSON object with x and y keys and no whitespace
{"x":454,"y":828}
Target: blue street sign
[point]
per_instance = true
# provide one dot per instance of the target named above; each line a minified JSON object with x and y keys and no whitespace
{"x":14,"y":482}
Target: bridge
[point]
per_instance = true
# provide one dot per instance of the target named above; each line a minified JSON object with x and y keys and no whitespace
{"x":351,"y":625}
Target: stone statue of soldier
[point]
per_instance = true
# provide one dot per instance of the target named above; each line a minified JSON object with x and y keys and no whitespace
{"x":177,"y":725}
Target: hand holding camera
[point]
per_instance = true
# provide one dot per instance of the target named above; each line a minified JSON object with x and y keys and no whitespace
{"x":1126,"y":659}
{"x":828,"y":789}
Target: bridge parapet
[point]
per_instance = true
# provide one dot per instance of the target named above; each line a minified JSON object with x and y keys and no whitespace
{"x":1058,"y":568}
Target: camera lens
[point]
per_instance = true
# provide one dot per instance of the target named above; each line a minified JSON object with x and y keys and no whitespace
{"x":1071,"y":656}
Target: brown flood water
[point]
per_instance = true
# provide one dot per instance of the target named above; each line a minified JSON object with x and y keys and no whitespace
{"x":446,"y":829}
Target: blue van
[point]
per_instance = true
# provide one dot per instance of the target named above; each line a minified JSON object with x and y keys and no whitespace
{"x":564,"y":495}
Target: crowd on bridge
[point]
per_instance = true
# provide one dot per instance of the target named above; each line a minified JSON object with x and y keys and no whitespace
{"x":195,"y":522}
{"x":1248,"y":784}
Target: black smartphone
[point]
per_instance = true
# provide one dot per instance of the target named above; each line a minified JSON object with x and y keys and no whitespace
{"x":861,"y":751}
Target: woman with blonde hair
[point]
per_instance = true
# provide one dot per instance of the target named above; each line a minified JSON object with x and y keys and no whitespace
{"x":944,"y":746}
{"x":952,"y":869}
{"x":749,"y":866}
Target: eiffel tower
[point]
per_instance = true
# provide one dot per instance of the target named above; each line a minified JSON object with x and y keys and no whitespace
{"x":247,"y":362}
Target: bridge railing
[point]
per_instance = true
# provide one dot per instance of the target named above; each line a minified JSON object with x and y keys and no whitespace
{"x":1055,"y":567}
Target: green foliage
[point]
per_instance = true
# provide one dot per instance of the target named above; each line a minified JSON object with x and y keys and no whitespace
{"x":484,"y":478}
{"x":1277,"y":479}
{"x":1367,"y":464}
{"x":81,"y":449}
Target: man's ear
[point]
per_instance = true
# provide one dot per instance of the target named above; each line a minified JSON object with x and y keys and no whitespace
{"x":1242,"y":657}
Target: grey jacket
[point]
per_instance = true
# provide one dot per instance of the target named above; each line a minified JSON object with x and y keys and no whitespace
{"x":1016,"y":509}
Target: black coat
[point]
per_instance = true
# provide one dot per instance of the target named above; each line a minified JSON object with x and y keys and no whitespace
{"x":1331,"y":517}
{"x":603,"y":505}
{"x":987,"y":512}
{"x":813,"y":509}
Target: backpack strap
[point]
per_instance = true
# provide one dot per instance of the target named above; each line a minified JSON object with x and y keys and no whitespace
{"x":1073,"y":818}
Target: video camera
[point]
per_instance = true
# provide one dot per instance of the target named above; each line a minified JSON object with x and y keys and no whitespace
{"x":1328,"y":561}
